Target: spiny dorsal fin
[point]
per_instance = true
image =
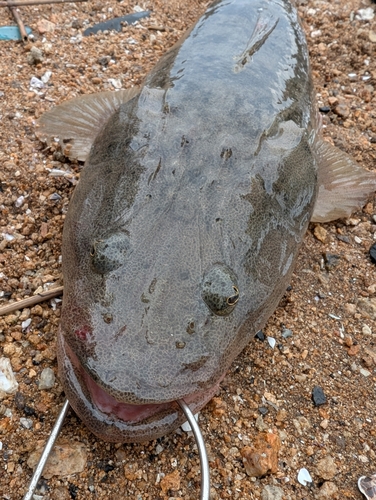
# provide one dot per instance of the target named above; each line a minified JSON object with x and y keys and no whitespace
{"x":344,"y":186}
{"x":79,"y":120}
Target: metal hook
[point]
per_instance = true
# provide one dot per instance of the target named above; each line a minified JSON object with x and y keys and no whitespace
{"x":47,"y":450}
{"x":204,"y":464}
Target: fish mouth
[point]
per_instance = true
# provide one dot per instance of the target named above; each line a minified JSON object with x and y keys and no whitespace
{"x":117,"y":421}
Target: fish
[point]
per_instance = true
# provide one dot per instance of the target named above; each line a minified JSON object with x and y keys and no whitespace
{"x":182,"y":233}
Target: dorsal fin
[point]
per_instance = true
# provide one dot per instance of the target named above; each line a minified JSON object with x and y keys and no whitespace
{"x":79,"y":120}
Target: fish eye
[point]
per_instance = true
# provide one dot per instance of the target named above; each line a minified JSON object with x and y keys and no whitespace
{"x":220,"y":291}
{"x":231,"y":301}
{"x":109,"y":253}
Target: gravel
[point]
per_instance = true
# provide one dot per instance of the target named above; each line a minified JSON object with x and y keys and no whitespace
{"x":60,"y":64}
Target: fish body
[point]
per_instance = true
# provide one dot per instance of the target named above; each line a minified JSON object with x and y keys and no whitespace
{"x":182,"y":233}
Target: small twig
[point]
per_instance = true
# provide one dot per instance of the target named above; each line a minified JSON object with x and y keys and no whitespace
{"x":19,"y":3}
{"x":19,"y":22}
{"x":31,"y":301}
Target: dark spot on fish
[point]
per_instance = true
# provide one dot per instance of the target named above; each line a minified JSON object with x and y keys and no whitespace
{"x":196,"y":365}
{"x":226,"y":153}
{"x":152,"y":285}
{"x":191,"y":327}
{"x":108,"y":318}
{"x":184,"y":141}
{"x":120,"y":333}
{"x":154,"y":174}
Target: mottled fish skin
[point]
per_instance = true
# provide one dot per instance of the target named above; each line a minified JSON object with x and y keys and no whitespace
{"x":198,"y":191}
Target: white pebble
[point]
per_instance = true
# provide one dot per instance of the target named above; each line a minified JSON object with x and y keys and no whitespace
{"x":8,"y":382}
{"x":271,"y":342}
{"x":186,"y":427}
{"x":365,"y":372}
{"x":26,"y":422}
{"x":46,"y":76}
{"x":316,"y":33}
{"x":304,"y":477}
{"x":365,"y":14}
{"x":366,"y":330}
{"x":47,"y":379}
{"x":25,"y":324}
{"x":20,"y":201}
{"x":36,"y":83}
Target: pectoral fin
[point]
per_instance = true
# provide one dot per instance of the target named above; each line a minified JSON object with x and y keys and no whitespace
{"x":344,"y":186}
{"x":78,"y":121}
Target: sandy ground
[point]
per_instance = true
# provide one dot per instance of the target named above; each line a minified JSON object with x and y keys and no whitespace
{"x":265,"y":388}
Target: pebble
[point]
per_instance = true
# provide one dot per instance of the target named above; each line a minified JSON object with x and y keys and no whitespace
{"x":366,"y":330}
{"x":365,"y":14}
{"x":331,"y":260}
{"x":26,"y":422}
{"x":364,"y":372}
{"x":367,"y":307}
{"x":286,"y":333}
{"x":320,"y":234}
{"x":35,"y":56}
{"x":270,"y":492}
{"x":372,"y":36}
{"x":326,"y":468}
{"x":8,"y":382}
{"x":318,"y":396}
{"x":20,"y":400}
{"x":304,"y":477}
{"x":327,"y":490}
{"x":324,"y":423}
{"x":25,"y":314}
{"x":186,"y":426}
{"x":171,"y":481}
{"x":44,"y":26}
{"x":372,"y":253}
{"x":25,"y":324}
{"x":342,"y":110}
{"x":260,"y":424}
{"x":261,"y":458}
{"x":65,"y":458}
{"x":35,"y":83}
{"x":353,"y":350}
{"x":271,"y":342}
{"x":260,"y":335}
{"x":324,"y":109}
{"x":301,"y":424}
{"x":47,"y":379}
{"x":350,"y":308}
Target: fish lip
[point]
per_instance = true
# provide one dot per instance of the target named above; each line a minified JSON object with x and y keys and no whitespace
{"x":105,"y":416}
